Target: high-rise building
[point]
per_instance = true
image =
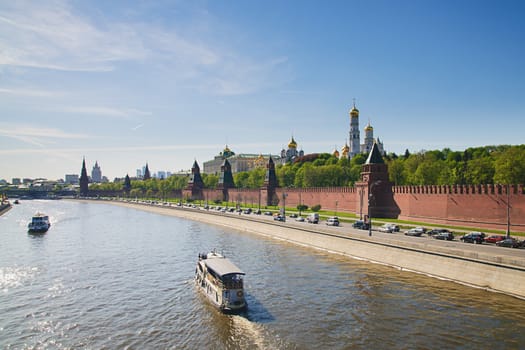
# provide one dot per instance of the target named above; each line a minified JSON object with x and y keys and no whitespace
{"x":96,"y":173}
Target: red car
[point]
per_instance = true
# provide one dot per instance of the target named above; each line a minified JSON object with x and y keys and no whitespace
{"x":494,"y":238}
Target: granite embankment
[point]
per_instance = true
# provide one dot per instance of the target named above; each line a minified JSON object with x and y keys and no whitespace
{"x":4,"y":207}
{"x":483,"y":266}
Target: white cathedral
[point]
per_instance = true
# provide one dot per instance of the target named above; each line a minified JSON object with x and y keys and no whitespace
{"x":356,"y":147}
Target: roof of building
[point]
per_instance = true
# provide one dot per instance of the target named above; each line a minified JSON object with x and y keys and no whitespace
{"x":374,"y":157}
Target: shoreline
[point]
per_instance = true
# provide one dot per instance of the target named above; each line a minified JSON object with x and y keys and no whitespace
{"x":499,"y":270}
{"x":4,"y":208}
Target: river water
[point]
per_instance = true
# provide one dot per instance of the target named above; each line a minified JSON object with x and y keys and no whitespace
{"x":109,"y":277}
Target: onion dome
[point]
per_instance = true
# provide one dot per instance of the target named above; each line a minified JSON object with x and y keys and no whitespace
{"x":369,"y":127}
{"x":354,"y":112}
{"x":345,"y":149}
{"x":226,"y":153}
{"x":292,"y":143}
{"x":336,"y":153}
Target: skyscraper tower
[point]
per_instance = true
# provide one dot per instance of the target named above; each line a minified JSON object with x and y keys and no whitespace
{"x":96,"y":173}
{"x":355,"y":140}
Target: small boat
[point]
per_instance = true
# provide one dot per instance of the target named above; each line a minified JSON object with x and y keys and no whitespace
{"x":39,"y":223}
{"x":221,"y":281}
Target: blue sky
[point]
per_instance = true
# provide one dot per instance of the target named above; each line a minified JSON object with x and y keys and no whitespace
{"x":169,"y":82}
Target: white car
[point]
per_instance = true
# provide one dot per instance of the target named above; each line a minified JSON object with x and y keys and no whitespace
{"x":333,"y":221}
{"x":389,"y":228}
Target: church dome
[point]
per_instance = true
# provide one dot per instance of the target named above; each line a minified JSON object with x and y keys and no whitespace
{"x":345,"y":149}
{"x":292,"y":143}
{"x":227,"y":152}
{"x":354,"y":112}
{"x":336,"y":153}
{"x":369,"y":127}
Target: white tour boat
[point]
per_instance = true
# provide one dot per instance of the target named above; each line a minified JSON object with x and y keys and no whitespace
{"x":221,"y":281}
{"x":39,"y":223}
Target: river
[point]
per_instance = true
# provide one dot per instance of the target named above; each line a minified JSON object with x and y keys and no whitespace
{"x":110,"y":277}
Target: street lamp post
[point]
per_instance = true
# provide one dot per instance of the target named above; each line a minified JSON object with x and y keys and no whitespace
{"x":508,"y":211}
{"x":336,"y":202}
{"x":370,"y":199}
{"x":284,"y":206}
{"x":361,"y":193}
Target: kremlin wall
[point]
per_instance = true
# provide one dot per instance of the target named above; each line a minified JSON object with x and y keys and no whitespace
{"x":470,"y":206}
{"x":476,"y":206}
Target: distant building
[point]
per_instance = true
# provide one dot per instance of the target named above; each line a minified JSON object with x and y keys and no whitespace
{"x":147,"y":174}
{"x":96,"y":173}
{"x":291,"y":153}
{"x":237,"y":162}
{"x":71,"y":179}
{"x":16,"y":181}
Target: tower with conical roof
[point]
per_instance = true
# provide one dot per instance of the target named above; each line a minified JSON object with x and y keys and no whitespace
{"x":127,"y":185}
{"x":375,"y":188}
{"x":225,"y":179}
{"x":147,"y":175}
{"x":84,"y":180}
{"x":270,"y":182}
{"x":195,"y":184}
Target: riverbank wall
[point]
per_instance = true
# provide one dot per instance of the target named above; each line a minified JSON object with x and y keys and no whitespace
{"x":4,"y":207}
{"x":498,"y":272}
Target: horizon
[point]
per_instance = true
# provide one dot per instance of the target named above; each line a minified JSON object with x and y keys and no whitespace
{"x":170,"y":83}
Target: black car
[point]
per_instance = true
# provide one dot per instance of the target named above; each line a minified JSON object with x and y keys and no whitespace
{"x":509,"y":243}
{"x":447,"y":236}
{"x":474,"y":237}
{"x":360,"y":224}
{"x":437,"y":231}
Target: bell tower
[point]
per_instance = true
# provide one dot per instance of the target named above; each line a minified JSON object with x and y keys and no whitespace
{"x":355,"y":139}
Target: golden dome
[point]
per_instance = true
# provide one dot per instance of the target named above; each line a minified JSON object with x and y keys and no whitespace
{"x":227,"y":152}
{"x":292,"y":143}
{"x":369,"y":127}
{"x":345,"y":149}
{"x":354,"y":112}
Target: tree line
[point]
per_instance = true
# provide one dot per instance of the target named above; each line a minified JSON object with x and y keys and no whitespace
{"x":502,"y":164}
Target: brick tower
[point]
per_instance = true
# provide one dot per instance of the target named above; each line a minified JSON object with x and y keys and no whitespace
{"x":226,"y":180}
{"x":84,"y":180}
{"x":270,"y":183}
{"x":195,"y":183}
{"x":375,"y":190}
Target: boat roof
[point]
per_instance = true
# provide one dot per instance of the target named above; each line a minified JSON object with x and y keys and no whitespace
{"x":222,"y":266}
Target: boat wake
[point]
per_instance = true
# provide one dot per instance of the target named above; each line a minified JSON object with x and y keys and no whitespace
{"x":253,"y":335}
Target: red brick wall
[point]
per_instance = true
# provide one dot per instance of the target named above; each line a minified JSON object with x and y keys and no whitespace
{"x":475,"y":206}
{"x":478,"y":206}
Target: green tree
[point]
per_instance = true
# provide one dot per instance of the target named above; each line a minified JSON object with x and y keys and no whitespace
{"x":510,"y":166}
{"x":480,"y":171}
{"x":396,"y":171}
{"x":210,"y":180}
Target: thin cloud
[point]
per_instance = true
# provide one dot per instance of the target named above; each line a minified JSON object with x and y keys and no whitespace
{"x":56,"y":37}
{"x":30,"y":92}
{"x":122,"y":113}
{"x":36,"y":136}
